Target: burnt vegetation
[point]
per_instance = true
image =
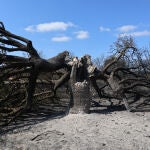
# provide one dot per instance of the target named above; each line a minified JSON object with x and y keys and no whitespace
{"x":34,"y":83}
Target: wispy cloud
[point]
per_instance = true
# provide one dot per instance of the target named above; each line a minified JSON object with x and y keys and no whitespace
{"x":104,"y":29}
{"x":137,"y":34}
{"x":51,"y":26}
{"x":141,"y":33}
{"x":82,"y":34}
{"x":126,"y":28}
{"x":61,"y":39}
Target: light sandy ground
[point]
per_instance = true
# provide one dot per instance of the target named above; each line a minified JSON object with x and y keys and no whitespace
{"x":120,"y":130}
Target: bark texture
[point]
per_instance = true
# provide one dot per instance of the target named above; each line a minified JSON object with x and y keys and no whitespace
{"x":81,"y":98}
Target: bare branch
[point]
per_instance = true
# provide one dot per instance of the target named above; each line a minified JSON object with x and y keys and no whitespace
{"x":10,"y":36}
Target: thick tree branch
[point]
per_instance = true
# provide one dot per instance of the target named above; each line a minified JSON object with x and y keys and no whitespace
{"x":10,"y":36}
{"x":61,"y":81}
{"x":120,"y":54}
{"x":12,"y":59}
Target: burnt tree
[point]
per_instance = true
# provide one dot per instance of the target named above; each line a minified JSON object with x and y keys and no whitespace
{"x":19,"y":76}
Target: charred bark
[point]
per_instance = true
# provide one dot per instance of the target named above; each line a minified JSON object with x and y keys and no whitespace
{"x":80,"y":90}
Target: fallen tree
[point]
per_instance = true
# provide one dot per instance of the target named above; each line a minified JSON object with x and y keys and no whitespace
{"x":20,"y":76}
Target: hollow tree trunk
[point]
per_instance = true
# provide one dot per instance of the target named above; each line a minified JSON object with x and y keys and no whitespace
{"x":81,"y":98}
{"x":80,"y":93}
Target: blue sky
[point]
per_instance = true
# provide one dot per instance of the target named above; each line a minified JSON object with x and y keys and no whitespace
{"x":80,"y":26}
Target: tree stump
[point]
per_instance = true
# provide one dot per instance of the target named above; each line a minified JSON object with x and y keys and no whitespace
{"x":80,"y":86}
{"x":81,"y":98}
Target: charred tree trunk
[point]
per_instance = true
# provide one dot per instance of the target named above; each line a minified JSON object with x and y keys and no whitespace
{"x":80,"y":89}
{"x":81,"y":98}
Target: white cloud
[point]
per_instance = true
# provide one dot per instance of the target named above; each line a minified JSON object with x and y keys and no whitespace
{"x":51,"y":26}
{"x":126,"y":28}
{"x":103,"y":29}
{"x":29,"y":29}
{"x":82,"y":34}
{"x":137,"y":34}
{"x":142,"y":33}
{"x":61,"y":39}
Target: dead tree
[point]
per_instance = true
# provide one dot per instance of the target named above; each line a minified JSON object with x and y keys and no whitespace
{"x":20,"y":76}
{"x":125,"y":80}
{"x":12,"y":66}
